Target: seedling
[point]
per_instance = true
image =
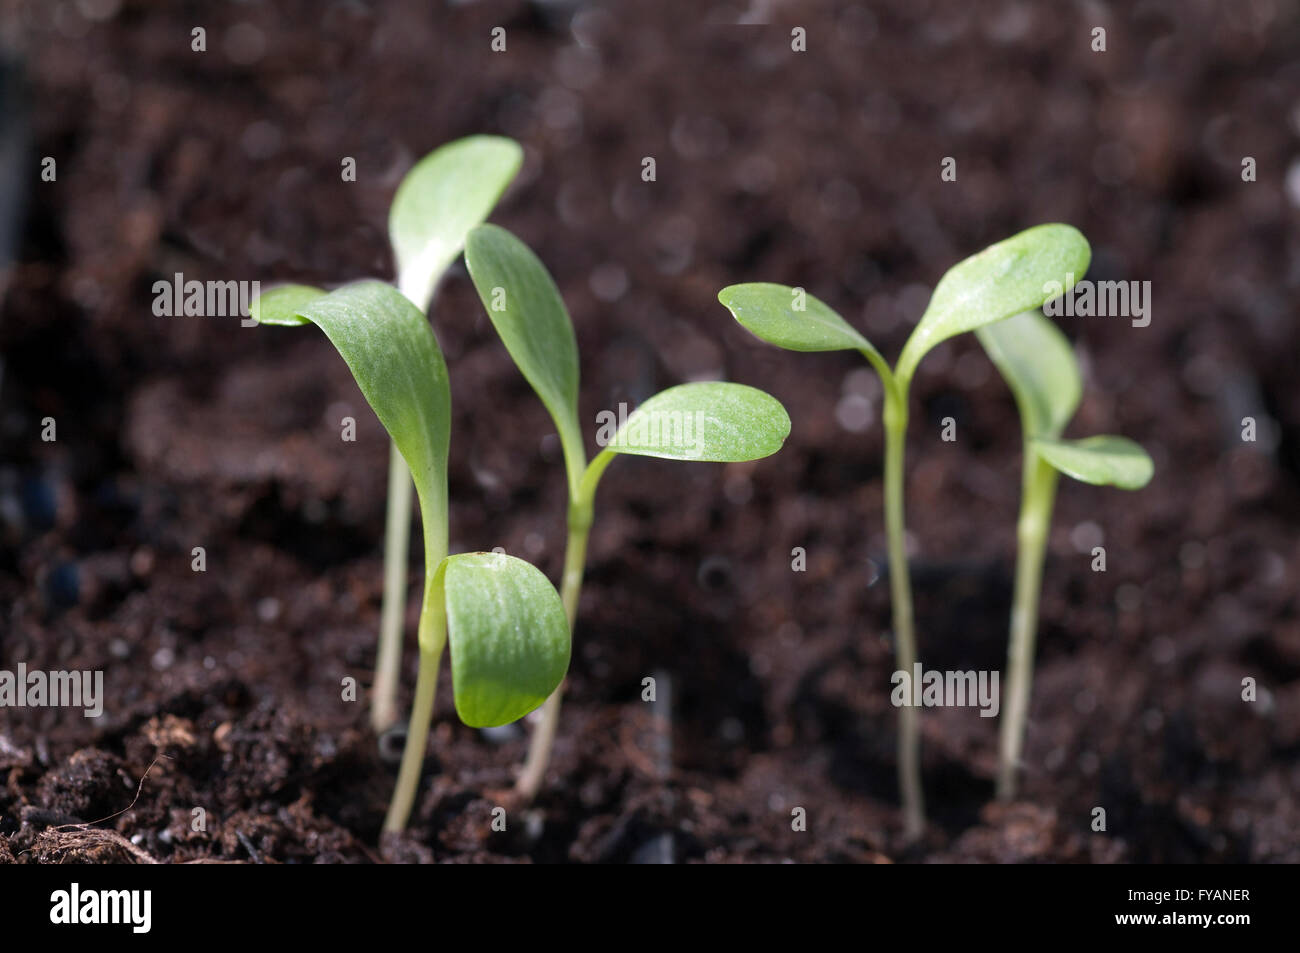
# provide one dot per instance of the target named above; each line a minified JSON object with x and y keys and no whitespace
{"x":1039,"y":366}
{"x":504,"y":620}
{"x":709,"y":421}
{"x":999,"y":282}
{"x":444,"y":195}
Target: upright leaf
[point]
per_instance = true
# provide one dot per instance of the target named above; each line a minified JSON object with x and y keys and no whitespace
{"x":525,"y":307}
{"x":446,"y":194}
{"x":1103,"y":460}
{"x":508,"y":633}
{"x":1038,"y":364}
{"x":709,"y":421}
{"x":1003,"y":280}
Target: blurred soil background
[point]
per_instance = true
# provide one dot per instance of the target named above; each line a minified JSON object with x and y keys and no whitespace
{"x":817,"y":168}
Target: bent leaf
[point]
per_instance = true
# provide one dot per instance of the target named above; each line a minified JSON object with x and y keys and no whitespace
{"x":526,"y":309}
{"x":1038,"y":364}
{"x":394,"y":357}
{"x":709,"y":421}
{"x":508,"y":633}
{"x":1103,"y":460}
{"x":282,"y":305}
{"x":768,"y":312}
{"x":446,"y":194}
{"x":1012,"y":276}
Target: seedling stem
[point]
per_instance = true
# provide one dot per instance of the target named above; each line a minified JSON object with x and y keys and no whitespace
{"x":1038,"y":493}
{"x":581,"y":513}
{"x":900,"y":587}
{"x":397,"y":541}
{"x":417,"y":739}
{"x":432,"y":637}
{"x":1039,"y":366}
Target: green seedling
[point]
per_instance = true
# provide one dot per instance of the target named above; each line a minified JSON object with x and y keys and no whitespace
{"x":504,"y":621}
{"x":999,"y":282}
{"x":710,"y":421}
{"x":444,"y":195}
{"x":1039,"y":366}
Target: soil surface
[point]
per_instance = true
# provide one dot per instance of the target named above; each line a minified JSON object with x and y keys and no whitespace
{"x":817,"y":168}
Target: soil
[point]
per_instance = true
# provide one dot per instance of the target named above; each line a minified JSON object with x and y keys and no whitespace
{"x":818,"y":168}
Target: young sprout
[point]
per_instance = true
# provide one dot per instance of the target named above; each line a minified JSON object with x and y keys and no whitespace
{"x":446,"y":194}
{"x":708,"y":421}
{"x":1003,"y":280}
{"x":1039,"y":366}
{"x":504,"y":621}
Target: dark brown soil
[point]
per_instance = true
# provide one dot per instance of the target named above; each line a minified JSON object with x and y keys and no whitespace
{"x":817,"y":168}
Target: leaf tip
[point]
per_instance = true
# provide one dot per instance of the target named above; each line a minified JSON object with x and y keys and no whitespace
{"x":281,"y":306}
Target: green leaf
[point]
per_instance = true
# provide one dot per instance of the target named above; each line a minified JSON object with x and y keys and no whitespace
{"x":768,"y":311}
{"x":526,"y":309}
{"x":509,"y":637}
{"x":446,"y":194}
{"x":394,"y":357}
{"x":1003,"y":280}
{"x":710,"y":421}
{"x":1103,"y":460}
{"x":282,"y":305}
{"x":1038,"y":364}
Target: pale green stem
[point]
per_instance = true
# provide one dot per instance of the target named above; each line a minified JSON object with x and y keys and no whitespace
{"x":432,"y":636}
{"x":397,"y":544}
{"x":397,"y":539}
{"x":909,"y":741}
{"x":575,"y":563}
{"x":539,"y":747}
{"x":1038,"y":492}
{"x":408,"y":777}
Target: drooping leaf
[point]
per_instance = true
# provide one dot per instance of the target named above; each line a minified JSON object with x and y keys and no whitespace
{"x":508,"y":633}
{"x":395,"y":359}
{"x":768,"y":311}
{"x":446,"y":194}
{"x":1038,"y":364}
{"x":1014,"y":275}
{"x":281,"y":306}
{"x":526,"y":309}
{"x":709,"y":421}
{"x":1102,"y":460}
